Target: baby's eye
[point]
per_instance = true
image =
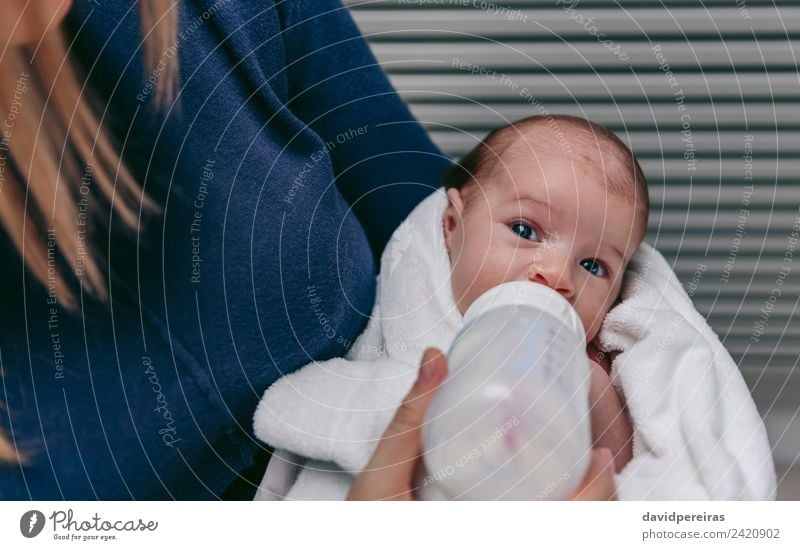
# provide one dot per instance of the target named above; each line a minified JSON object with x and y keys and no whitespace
{"x":594,"y":267}
{"x":525,"y":231}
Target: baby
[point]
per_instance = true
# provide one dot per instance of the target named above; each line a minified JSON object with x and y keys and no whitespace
{"x":559,"y":201}
{"x":553,"y":200}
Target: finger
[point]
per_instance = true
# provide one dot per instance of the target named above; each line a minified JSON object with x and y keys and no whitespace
{"x":598,"y":484}
{"x":390,"y":471}
{"x":402,"y":441}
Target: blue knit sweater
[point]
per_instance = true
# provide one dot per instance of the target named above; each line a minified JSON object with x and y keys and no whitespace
{"x":282,"y":169}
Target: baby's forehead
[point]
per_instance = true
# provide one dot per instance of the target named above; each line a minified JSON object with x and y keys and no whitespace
{"x":529,"y":157}
{"x":543,"y":151}
{"x":567,"y":142}
{"x":523,"y":166}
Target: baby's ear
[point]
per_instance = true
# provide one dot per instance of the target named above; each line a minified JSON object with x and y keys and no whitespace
{"x":452,"y":215}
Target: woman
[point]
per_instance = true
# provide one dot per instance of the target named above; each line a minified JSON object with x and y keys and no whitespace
{"x":265,"y":162}
{"x":192,"y":200}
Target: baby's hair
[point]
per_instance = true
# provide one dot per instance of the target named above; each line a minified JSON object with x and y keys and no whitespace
{"x":623,"y":175}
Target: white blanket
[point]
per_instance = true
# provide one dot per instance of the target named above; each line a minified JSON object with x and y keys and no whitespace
{"x":697,"y":434}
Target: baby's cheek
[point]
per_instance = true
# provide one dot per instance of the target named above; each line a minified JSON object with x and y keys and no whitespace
{"x":596,"y":314}
{"x":459,"y":290}
{"x":468,"y":282}
{"x":479,"y":274}
{"x":592,"y":319}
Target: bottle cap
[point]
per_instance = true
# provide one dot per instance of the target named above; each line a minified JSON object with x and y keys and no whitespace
{"x":525,"y":293}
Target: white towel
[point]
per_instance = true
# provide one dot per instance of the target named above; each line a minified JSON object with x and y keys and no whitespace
{"x":697,"y":434}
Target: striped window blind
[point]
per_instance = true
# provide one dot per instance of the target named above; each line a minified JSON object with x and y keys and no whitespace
{"x":706,"y":94}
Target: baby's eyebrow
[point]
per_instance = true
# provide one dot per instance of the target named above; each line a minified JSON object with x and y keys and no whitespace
{"x":532,"y":201}
{"x":616,"y":251}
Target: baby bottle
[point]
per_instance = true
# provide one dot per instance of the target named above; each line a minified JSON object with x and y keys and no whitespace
{"x":511,"y":421}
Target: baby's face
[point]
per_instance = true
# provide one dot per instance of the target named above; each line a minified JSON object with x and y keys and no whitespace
{"x":546,"y":220}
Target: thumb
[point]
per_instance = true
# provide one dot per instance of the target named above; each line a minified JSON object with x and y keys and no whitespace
{"x":402,"y":441}
{"x":390,"y":471}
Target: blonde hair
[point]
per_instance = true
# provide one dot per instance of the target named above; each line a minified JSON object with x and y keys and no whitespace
{"x":59,"y":157}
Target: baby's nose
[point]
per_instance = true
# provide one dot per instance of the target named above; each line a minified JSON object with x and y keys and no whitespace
{"x":556,"y":275}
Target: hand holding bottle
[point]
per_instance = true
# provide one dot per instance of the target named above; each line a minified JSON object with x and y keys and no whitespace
{"x":390,"y":472}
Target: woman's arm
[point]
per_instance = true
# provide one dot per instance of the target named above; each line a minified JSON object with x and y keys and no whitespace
{"x":384,"y":161}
